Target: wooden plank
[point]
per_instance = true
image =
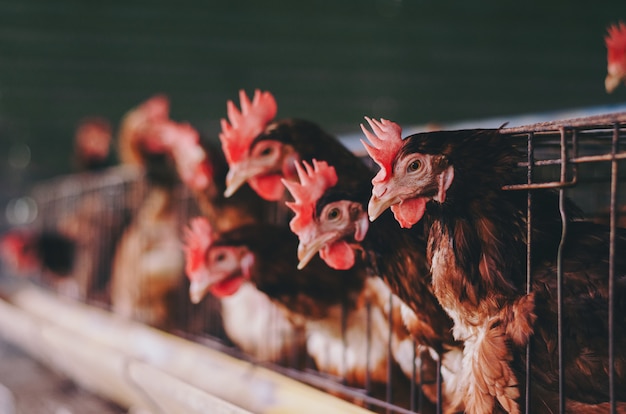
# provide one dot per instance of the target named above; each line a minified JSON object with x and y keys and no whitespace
{"x":84,"y":338}
{"x":35,"y":388}
{"x":172,"y":395}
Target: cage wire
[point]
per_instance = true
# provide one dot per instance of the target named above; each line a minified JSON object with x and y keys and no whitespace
{"x":583,"y":159}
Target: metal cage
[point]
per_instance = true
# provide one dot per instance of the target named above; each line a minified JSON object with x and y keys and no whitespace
{"x":580,"y":158}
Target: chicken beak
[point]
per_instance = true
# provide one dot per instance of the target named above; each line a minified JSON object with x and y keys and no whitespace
{"x":198,"y":290}
{"x":306,"y":251}
{"x":377,"y":206}
{"x":238,"y":174}
{"x":235,"y":178}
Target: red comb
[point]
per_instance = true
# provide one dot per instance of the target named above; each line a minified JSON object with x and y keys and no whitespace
{"x":244,"y":126}
{"x":616,"y":43}
{"x":197,"y":240}
{"x":385,"y":143}
{"x":314,"y":180}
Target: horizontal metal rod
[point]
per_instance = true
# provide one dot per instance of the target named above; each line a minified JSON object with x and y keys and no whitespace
{"x":606,"y":121}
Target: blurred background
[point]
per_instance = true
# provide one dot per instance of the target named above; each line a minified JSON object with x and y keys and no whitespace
{"x":332,"y":62}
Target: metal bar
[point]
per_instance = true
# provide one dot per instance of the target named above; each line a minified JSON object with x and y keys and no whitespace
{"x":420,"y":400}
{"x":389,"y":352}
{"x":574,"y":156}
{"x":344,"y":340}
{"x":368,"y":348}
{"x":413,"y":379}
{"x":597,"y":121}
{"x":538,"y":186}
{"x":529,"y":178}
{"x":559,"y":275}
{"x":439,"y":390}
{"x":580,"y":160}
{"x":612,"y":230}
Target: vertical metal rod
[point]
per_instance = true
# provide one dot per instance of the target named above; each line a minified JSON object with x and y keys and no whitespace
{"x":420,"y":400}
{"x":529,"y":180}
{"x":368,"y":348}
{"x":559,"y":271}
{"x":413,"y":379}
{"x":344,"y":340}
{"x":389,"y":353}
{"x":612,"y":230}
{"x":439,"y":395}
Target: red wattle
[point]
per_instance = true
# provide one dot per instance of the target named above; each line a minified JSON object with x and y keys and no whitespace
{"x":409,"y":212}
{"x":338,"y":255}
{"x":227,"y":287}
{"x":268,"y":187}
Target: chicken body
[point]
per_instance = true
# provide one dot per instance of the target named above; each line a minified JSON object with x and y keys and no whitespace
{"x":338,"y":228}
{"x":259,"y":327}
{"x":250,"y":319}
{"x":148,"y":265}
{"x":331,"y":306}
{"x":476,"y":239}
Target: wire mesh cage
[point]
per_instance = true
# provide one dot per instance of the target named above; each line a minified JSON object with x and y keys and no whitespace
{"x":582,"y":159}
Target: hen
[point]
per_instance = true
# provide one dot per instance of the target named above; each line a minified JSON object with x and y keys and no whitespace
{"x":616,"y":56}
{"x":28,"y":251}
{"x":148,"y":263}
{"x":69,"y":244}
{"x":343,"y":337}
{"x":476,"y":237}
{"x":248,"y":314}
{"x":332,"y":220}
{"x":262,"y":151}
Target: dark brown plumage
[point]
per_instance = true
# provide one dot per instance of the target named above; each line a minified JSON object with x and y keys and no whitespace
{"x":300,"y":140}
{"x":331,"y":305}
{"x":308,"y":292}
{"x":340,"y":231}
{"x":309,"y":141}
{"x":399,"y":257}
{"x":477,"y":246}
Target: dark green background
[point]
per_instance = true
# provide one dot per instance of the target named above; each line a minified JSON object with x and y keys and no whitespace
{"x":328,"y":61}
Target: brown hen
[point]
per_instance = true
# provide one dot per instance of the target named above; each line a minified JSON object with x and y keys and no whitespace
{"x":476,"y":239}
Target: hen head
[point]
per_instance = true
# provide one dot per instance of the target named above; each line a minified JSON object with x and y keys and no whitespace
{"x":406,"y":180}
{"x":253,"y":155}
{"x":92,"y":140}
{"x":616,"y":56}
{"x":183,"y":142}
{"x":330,"y":226}
{"x":211,"y":267}
{"x":137,"y":128}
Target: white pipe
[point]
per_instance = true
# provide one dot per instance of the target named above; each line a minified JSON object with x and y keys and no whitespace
{"x":138,"y":366}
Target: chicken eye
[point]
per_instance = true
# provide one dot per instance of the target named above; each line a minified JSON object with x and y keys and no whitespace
{"x":266,"y":151}
{"x":333,"y":214}
{"x":220,"y":257}
{"x":414,"y":166}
